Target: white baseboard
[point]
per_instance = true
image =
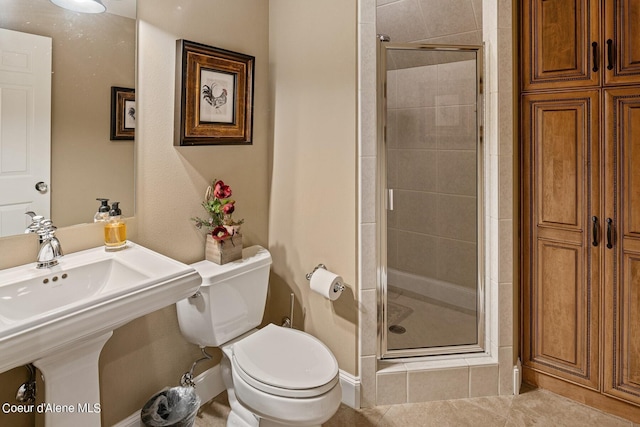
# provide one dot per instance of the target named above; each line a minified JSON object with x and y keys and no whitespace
{"x":350,"y":389}
{"x":517,"y":377}
{"x":209,"y":384}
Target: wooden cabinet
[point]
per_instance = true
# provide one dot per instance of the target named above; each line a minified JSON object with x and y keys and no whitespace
{"x":622,"y":247}
{"x":621,"y":42}
{"x":561,"y":189}
{"x":557,"y":46}
{"x":580,"y":200}
{"x":580,"y":43}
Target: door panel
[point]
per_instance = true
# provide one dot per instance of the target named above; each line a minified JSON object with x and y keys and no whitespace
{"x":25,"y":128}
{"x":558,"y":300}
{"x":558,"y":165}
{"x":430,"y":199}
{"x":621,"y":45}
{"x":622,"y":260}
{"x":560,"y":196}
{"x":557,"y":44}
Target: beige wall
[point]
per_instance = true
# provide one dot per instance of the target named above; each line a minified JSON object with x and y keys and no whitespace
{"x":91,"y":53}
{"x":313,"y":211}
{"x":295,"y":186}
{"x":149,"y":353}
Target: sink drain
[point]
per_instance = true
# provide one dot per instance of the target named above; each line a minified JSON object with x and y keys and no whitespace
{"x":397,"y":329}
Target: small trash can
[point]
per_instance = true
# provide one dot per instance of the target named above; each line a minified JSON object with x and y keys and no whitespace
{"x":175,"y":406}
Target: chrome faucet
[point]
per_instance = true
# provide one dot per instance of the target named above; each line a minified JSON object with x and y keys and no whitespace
{"x":50,"y":249}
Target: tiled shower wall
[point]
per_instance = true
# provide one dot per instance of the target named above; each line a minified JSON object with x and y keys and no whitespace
{"x":443,"y":378}
{"x":431,"y":167}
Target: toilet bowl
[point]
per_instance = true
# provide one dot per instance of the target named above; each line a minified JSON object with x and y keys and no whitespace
{"x":285,"y":376}
{"x":274,"y":376}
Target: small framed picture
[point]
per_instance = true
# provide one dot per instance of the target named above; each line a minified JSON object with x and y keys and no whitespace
{"x":214,"y":96}
{"x":123,"y":113}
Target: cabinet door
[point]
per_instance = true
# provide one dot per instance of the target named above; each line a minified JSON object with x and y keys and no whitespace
{"x":558,"y":39}
{"x":621,"y":42}
{"x":622,"y":259}
{"x":560,"y":263}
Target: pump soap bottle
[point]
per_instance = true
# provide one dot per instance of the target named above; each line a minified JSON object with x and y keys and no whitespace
{"x":103,"y":211}
{"x":115,"y":230}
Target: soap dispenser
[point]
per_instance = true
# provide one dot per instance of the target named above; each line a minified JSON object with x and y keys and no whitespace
{"x":103,"y":211}
{"x":115,"y":229}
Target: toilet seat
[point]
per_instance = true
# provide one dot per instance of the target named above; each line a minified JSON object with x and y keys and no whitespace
{"x":285,"y":362}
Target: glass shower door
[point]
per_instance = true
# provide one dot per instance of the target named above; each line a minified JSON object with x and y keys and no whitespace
{"x":431,"y":199}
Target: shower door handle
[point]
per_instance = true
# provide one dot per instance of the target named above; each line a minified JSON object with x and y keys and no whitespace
{"x":390,"y":199}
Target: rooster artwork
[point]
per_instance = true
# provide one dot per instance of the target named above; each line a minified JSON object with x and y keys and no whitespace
{"x":217,"y":97}
{"x":209,"y":95}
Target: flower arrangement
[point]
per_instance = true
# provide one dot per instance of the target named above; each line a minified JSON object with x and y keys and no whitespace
{"x":220,"y":207}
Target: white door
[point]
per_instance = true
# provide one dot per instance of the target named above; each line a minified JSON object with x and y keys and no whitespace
{"x":25,"y":128}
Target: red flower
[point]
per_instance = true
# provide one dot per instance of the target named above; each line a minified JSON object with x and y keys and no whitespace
{"x":220,"y":233}
{"x":228,"y":208}
{"x":221,"y":191}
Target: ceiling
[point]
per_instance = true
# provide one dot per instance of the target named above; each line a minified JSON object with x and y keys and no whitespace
{"x":126,"y":8}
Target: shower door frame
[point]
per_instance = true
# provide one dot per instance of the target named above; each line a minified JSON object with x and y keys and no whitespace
{"x":381,"y":204}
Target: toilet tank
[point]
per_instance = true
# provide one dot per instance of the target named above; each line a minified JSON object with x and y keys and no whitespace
{"x":230,"y":301}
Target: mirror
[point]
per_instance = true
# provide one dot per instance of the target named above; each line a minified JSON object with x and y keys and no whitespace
{"x":91,"y":53}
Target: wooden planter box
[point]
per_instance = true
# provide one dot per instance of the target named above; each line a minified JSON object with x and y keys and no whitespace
{"x":223,"y":251}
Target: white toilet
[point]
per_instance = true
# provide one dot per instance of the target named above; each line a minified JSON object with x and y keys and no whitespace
{"x":274,"y":376}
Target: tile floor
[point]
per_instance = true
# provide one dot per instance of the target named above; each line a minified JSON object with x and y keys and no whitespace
{"x":427,"y":322}
{"x":533,"y":407}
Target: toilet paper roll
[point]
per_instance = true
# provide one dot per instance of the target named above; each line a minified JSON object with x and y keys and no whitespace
{"x":327,"y":284}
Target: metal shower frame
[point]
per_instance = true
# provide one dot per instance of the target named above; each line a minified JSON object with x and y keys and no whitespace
{"x":384,"y":44}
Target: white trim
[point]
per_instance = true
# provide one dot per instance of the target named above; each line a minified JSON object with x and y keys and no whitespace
{"x":209,"y":384}
{"x":350,"y":389}
{"x":517,"y":377}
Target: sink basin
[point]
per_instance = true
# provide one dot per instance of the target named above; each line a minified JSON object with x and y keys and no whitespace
{"x":47,"y":294}
{"x":59,"y":318}
{"x":88,"y":293}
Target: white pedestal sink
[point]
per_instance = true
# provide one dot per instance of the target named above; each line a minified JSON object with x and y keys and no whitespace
{"x":60,"y":318}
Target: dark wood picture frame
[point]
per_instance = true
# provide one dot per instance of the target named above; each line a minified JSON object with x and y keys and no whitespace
{"x":123,"y":113}
{"x":214,"y":96}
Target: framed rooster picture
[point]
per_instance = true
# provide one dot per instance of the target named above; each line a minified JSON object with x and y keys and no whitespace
{"x":214,"y":96}
{"x":123,"y":113}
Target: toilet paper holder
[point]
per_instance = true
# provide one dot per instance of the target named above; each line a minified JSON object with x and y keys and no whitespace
{"x":338,"y":287}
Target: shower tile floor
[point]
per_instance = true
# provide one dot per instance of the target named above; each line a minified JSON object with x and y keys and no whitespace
{"x":533,"y":407}
{"x":428,"y":323}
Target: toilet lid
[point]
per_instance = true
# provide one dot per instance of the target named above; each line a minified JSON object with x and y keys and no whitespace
{"x":285,"y":358}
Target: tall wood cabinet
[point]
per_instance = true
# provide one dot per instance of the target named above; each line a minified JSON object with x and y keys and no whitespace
{"x":580,"y":193}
